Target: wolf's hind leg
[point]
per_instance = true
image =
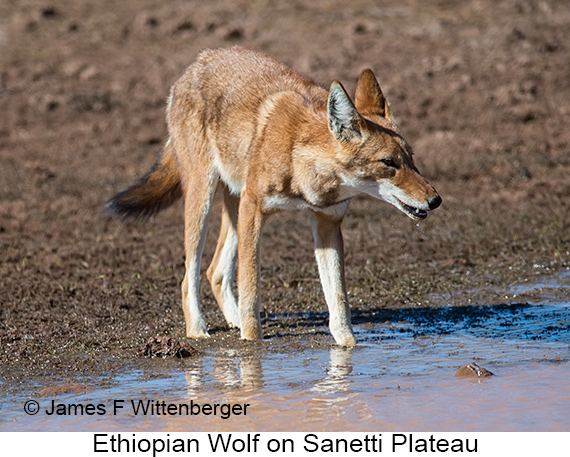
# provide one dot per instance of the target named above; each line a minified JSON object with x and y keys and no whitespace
{"x":198,"y":195}
{"x":221,"y":272}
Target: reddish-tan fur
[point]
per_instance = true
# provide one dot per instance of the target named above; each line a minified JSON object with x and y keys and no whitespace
{"x":272,"y":140}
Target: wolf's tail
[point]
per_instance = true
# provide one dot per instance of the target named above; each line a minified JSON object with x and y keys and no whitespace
{"x":156,"y":190}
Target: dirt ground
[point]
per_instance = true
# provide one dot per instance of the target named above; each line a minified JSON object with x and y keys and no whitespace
{"x":481,"y":89}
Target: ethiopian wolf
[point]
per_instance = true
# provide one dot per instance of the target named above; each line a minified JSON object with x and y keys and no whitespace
{"x":272,"y":140}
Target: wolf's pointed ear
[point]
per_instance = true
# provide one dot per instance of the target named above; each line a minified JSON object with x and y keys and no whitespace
{"x":344,"y":121}
{"x":369,"y":97}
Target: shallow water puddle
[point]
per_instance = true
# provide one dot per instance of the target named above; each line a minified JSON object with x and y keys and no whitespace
{"x":400,"y":377}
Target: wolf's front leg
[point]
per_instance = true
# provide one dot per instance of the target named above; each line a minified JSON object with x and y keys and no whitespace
{"x":250,"y":222}
{"x":329,"y":251}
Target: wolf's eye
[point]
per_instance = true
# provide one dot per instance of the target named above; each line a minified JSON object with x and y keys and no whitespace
{"x":389,"y":162}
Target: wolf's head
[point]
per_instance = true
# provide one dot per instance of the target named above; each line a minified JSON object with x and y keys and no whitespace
{"x":375,"y":158}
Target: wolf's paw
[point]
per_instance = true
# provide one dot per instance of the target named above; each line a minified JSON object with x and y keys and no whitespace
{"x":344,"y":337}
{"x":198,"y":331}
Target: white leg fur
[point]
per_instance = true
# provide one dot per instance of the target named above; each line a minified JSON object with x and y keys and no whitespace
{"x":221,"y":272}
{"x":226,"y":268}
{"x":196,"y":224}
{"x":330,"y":260}
{"x":195,"y":323}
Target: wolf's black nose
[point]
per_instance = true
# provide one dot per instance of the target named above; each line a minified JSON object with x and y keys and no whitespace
{"x":434,"y":202}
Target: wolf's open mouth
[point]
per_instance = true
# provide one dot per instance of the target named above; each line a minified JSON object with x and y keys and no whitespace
{"x":415,"y":212}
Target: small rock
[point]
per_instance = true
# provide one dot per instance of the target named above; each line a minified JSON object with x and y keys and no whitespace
{"x":88,"y":73}
{"x":472,"y":370}
{"x":235,"y":34}
{"x":184,"y":26}
{"x":166,"y":346}
{"x":49,"y":12}
{"x":73,"y":68}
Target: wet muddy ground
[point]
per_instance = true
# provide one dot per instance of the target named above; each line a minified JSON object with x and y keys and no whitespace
{"x":402,"y":376}
{"x":480,"y":89}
